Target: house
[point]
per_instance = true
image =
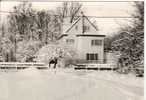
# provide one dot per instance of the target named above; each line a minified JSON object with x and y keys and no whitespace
{"x":83,"y":36}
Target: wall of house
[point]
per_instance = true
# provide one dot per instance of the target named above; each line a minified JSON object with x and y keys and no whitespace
{"x":84,"y":46}
{"x":111,"y":58}
{"x":71,"y":36}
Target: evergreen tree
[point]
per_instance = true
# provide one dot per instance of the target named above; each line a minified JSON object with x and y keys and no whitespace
{"x":130,"y":41}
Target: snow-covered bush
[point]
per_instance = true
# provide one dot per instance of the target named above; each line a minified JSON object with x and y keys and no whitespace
{"x":50,"y":51}
{"x":1,"y":57}
{"x":26,"y":50}
{"x":6,"y":49}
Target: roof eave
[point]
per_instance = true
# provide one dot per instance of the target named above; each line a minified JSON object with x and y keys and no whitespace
{"x":88,"y":35}
{"x":62,"y":36}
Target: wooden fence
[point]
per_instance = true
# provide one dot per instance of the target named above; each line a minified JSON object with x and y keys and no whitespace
{"x":96,"y":66}
{"x":18,"y":65}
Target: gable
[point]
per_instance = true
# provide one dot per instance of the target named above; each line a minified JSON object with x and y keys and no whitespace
{"x":90,"y":25}
{"x":82,"y":25}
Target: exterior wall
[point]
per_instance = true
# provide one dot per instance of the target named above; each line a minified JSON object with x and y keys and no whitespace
{"x":63,"y":40}
{"x":111,"y":58}
{"x":84,"y":46}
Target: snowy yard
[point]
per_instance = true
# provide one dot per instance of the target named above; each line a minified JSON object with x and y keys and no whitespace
{"x":67,"y":84}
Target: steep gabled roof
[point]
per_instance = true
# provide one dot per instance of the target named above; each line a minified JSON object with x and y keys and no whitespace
{"x":91,"y":23}
{"x":84,"y":21}
{"x":73,"y":25}
{"x":62,"y":36}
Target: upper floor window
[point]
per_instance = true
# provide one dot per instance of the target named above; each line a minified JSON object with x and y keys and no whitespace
{"x":86,"y":28}
{"x":69,"y":41}
{"x":96,"y":42}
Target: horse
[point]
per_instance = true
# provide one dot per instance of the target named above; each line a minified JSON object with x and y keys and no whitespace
{"x":53,"y":61}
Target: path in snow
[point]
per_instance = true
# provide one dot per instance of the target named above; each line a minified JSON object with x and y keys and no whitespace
{"x":33,"y":84}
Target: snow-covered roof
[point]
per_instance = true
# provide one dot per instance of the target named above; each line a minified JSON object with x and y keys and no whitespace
{"x":90,"y":35}
{"x":81,"y":22}
{"x":84,"y":21}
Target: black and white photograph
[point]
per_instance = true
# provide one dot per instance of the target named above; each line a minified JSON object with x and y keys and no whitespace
{"x":71,"y":50}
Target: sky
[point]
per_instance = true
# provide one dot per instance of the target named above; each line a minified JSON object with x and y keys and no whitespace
{"x":107,"y":26}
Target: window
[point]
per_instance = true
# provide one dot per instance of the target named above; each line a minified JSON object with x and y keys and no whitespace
{"x":69,"y":41}
{"x":96,"y":42}
{"x":86,"y":28}
{"x":92,"y":56}
{"x":76,"y":27}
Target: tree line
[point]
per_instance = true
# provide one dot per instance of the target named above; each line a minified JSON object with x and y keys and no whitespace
{"x":28,"y":29}
{"x":129,"y":42}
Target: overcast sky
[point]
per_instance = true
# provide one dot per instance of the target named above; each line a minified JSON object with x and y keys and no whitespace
{"x":100,"y":9}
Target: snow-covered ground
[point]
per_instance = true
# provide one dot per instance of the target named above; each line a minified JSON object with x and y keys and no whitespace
{"x":68,"y":84}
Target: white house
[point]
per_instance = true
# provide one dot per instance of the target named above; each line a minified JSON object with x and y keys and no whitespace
{"x":83,"y":36}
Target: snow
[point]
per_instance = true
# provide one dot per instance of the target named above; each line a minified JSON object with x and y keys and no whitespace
{"x":68,"y":84}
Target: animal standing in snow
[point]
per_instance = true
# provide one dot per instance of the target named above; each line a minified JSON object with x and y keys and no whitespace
{"x":53,"y":61}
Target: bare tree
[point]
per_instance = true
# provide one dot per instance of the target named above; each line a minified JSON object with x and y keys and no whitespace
{"x":69,"y":9}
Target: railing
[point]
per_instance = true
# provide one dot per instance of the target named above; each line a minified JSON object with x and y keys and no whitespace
{"x":99,"y":61}
{"x":98,"y":65}
{"x":19,"y":65}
